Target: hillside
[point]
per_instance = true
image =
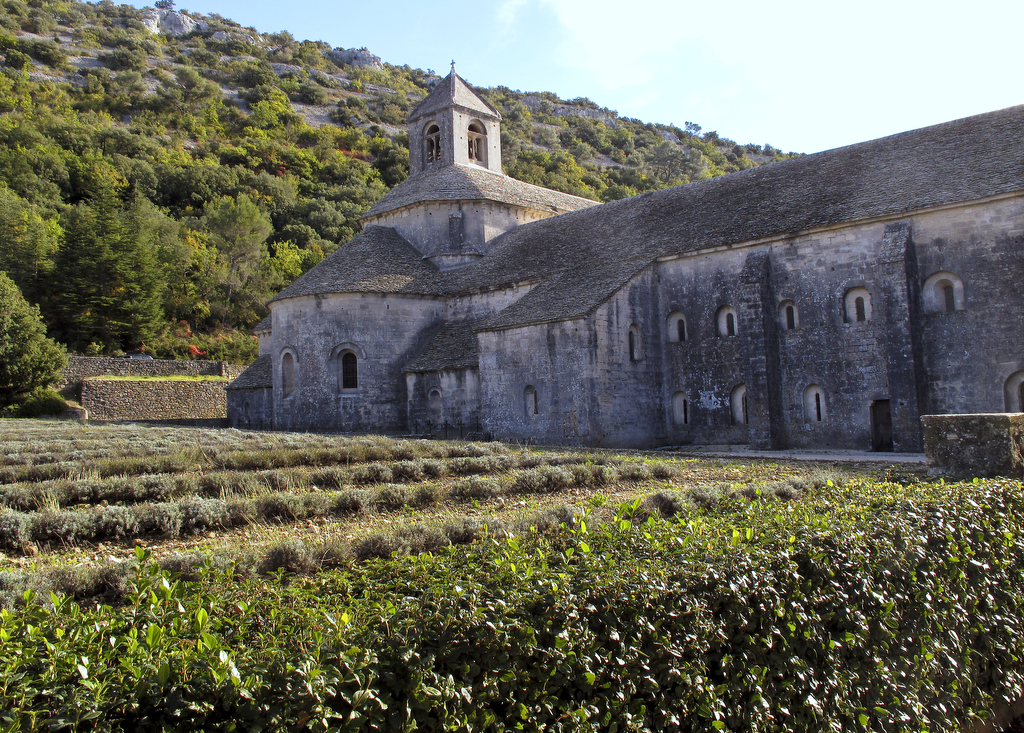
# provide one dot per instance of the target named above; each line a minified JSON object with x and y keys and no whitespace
{"x":163,"y":174}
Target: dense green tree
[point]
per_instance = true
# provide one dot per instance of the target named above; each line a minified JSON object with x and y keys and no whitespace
{"x":28,"y":359}
{"x":133,"y":312}
{"x":239,"y":230}
{"x":28,"y":240}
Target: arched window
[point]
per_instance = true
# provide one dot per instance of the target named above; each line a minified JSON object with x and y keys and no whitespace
{"x":680,"y":409}
{"x":431,"y":144}
{"x":530,"y":400}
{"x":738,"y":405}
{"x":726,"y":321}
{"x":287,"y":374}
{"x":477,"y":143}
{"x":434,"y":405}
{"x":814,"y":404}
{"x":676,"y":327}
{"x":1013,"y":392}
{"x":857,"y":306}
{"x":635,"y":344}
{"x":788,"y":317}
{"x":349,"y":374}
{"x":943,"y":292}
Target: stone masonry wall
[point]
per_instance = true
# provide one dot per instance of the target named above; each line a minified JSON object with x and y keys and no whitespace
{"x":965,"y":446}
{"x":81,"y":367}
{"x":116,"y":399}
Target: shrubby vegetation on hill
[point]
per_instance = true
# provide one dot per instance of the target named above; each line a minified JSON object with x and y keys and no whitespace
{"x":156,"y":191}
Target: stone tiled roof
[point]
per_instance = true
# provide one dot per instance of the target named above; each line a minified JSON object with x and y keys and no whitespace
{"x":472,"y":183}
{"x":263,"y":325}
{"x":583,"y":257}
{"x":453,"y":346}
{"x":452,"y":90}
{"x":258,"y":375}
{"x":377,"y":260}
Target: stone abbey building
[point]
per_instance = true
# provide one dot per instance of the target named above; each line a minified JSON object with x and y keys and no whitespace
{"x":829,"y":300}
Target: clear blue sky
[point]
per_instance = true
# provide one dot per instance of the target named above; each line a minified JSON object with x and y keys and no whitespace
{"x":803,"y":76}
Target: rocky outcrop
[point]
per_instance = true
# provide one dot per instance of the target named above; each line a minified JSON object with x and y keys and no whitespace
{"x":535,"y":104}
{"x":243,"y":37}
{"x":172,"y":23}
{"x":355,"y":57}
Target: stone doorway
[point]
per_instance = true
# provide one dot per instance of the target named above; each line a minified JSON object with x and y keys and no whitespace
{"x":881,"y":426}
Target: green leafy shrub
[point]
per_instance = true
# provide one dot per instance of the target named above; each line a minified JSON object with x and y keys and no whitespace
{"x":15,"y":59}
{"x":39,"y":403}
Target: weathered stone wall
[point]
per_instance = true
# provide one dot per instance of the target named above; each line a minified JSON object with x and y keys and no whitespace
{"x":251,"y":409}
{"x":118,"y":399}
{"x":970,"y":353}
{"x":443,"y":400}
{"x":384,"y":331}
{"x":432,"y":226}
{"x":965,"y":446}
{"x":80,"y":367}
{"x":559,"y":361}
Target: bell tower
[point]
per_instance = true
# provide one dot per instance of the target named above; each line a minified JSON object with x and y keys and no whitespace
{"x":456,"y":200}
{"x":453,"y":126}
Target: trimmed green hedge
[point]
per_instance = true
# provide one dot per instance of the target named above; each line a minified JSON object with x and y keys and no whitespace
{"x":869,"y":607}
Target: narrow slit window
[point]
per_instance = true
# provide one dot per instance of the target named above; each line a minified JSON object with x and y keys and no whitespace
{"x":530,"y":400}
{"x":349,"y":371}
{"x":287,"y":374}
{"x":634,"y":344}
{"x":814,"y":404}
{"x":681,"y":329}
{"x":730,"y":324}
{"x":738,"y":405}
{"x":943,"y":292}
{"x":790,"y":318}
{"x":857,"y":305}
{"x":680,"y":409}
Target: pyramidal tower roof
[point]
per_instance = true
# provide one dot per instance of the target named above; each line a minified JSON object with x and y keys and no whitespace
{"x":452,"y":90}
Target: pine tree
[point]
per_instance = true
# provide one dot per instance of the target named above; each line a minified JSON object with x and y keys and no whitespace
{"x":80,"y":279}
{"x":133,"y":312}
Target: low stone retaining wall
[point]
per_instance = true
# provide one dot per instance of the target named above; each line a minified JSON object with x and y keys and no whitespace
{"x":83,"y":367}
{"x":156,"y":399}
{"x":983,"y":445}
